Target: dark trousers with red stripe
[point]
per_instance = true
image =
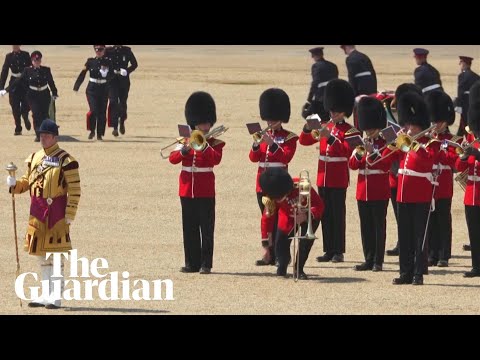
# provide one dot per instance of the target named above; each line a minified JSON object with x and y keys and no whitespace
{"x":412,"y":224}
{"x":39,"y":102}
{"x":198,"y":216}
{"x":19,"y":104}
{"x":373,"y":226}
{"x":472,"y":214}
{"x":440,"y":234}
{"x":97,"y":98}
{"x":275,"y":223}
{"x":333,"y":220}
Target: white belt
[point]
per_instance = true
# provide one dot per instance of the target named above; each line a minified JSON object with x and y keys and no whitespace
{"x":371,"y":171}
{"x":441,"y":167}
{"x":17,"y":75}
{"x":431,"y":87}
{"x":408,"y":172}
{"x":271,"y":164}
{"x":98,"y":81}
{"x":332,"y":159}
{"x":365,"y":73}
{"x":467,"y":92}
{"x":41,"y":88}
{"x":322,"y":84}
{"x":196,"y":169}
{"x":474,"y":178}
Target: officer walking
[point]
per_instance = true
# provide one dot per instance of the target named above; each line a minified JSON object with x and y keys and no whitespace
{"x":121,"y":57}
{"x":16,"y":61}
{"x":322,"y":72}
{"x":465,"y":81}
{"x":39,"y":81}
{"x":361,"y":74}
{"x":426,"y":76}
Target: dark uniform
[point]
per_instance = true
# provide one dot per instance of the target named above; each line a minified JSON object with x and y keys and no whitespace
{"x":101,"y":72}
{"x":39,"y":82}
{"x":322,"y":72}
{"x":465,"y":81}
{"x":426,"y":76}
{"x":17,"y":61}
{"x":121,"y":57}
{"x":361,"y":73}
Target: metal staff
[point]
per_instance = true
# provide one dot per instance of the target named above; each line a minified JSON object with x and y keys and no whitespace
{"x":12,"y":168}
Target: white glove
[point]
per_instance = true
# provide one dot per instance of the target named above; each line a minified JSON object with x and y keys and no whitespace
{"x":68,"y":221}
{"x":3,"y":92}
{"x":104,"y":72}
{"x":458,"y":109}
{"x":123,"y":72}
{"x":11,"y":181}
{"x":54,"y":98}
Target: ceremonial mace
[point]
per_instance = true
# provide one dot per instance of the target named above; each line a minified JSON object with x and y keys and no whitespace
{"x":12,"y":168}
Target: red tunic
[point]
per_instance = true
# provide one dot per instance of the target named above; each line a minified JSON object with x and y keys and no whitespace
{"x":472,"y":191}
{"x":285,"y":212}
{"x":281,"y":155}
{"x":197,"y":179}
{"x":334,"y":155}
{"x":373,"y":183}
{"x":444,"y":168}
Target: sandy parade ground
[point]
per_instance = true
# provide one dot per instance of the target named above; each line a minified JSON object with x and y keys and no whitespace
{"x":130,"y":212}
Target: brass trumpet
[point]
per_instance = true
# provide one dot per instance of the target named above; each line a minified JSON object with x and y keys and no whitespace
{"x":258,"y":136}
{"x":197,"y":140}
{"x":316,"y":132}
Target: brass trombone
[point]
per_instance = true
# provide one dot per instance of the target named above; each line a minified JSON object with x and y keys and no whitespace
{"x":197,"y":140}
{"x":404,"y":143}
{"x":304,"y":188}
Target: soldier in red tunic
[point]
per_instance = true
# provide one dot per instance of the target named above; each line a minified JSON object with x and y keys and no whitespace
{"x":373,"y":187}
{"x":275,"y":150}
{"x":441,"y":110}
{"x":283,"y":196}
{"x":333,"y":176}
{"x":471,"y":161}
{"x":197,"y":185}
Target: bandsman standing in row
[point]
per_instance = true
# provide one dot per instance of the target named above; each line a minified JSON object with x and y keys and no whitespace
{"x":373,"y":187}
{"x":333,"y":173}
{"x":425,"y":75}
{"x":275,"y":150}
{"x":16,"y":62}
{"x":322,"y":72}
{"x":101,"y":73}
{"x":470,"y":161}
{"x":440,"y":108}
{"x":124,"y":63}
{"x":466,"y":79}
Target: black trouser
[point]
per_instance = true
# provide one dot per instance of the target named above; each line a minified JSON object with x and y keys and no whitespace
{"x":97,"y":97}
{"x":317,"y":107}
{"x":333,"y":220}
{"x":412,"y":223}
{"x":39,"y":102}
{"x":393,"y":198}
{"x":275,"y":223}
{"x":198,"y":216}
{"x":118,"y":95}
{"x":440,"y":231}
{"x":19,"y":105}
{"x":373,"y":226}
{"x":472,"y":214}
{"x":283,"y":247}
{"x":461,"y":127}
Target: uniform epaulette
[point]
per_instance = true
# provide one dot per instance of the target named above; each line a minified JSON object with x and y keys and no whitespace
{"x":352,"y":131}
{"x":431,"y":141}
{"x":216,"y":142}
{"x":290,"y":136}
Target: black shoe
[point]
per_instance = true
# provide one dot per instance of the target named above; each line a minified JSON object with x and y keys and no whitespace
{"x":302,"y":276}
{"x":325,"y":258}
{"x":417,"y":280}
{"x":187,"y":269}
{"x":338,"y":258}
{"x":432,"y":262}
{"x":35,"y":305}
{"x":37,"y":139}
{"x":262,"y":262}
{"x":393,"y":252}
{"x":52,"y":307}
{"x":205,"y":270}
{"x":472,"y":273}
{"x":115,"y":133}
{"x":99,"y":137}
{"x":363,"y":267}
{"x":122,"y":127}
{"x":91,"y":136}
{"x":442,"y":263}
{"x":402,"y":280}
{"x":17,"y":133}
{"x":28,"y":125}
{"x":377,"y":267}
{"x":467,"y":247}
{"x":281,"y":271}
